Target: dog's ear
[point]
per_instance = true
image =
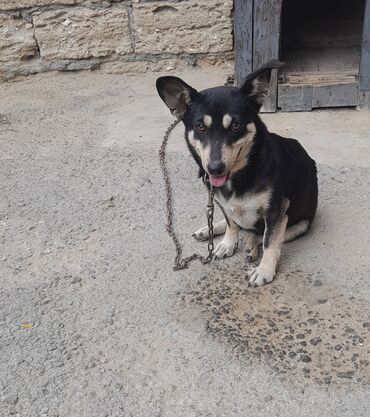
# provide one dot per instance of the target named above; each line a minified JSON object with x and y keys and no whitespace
{"x":176,"y":94}
{"x":257,"y":83}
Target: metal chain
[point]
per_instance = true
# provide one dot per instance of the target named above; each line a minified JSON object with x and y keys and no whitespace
{"x":184,"y":262}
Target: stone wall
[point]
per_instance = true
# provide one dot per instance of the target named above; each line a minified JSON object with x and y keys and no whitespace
{"x":114,"y":35}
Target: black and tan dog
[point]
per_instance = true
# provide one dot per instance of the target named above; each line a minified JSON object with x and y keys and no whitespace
{"x":264,"y":183}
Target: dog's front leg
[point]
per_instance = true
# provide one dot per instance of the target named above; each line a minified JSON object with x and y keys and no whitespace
{"x":273,"y":238}
{"x":252,"y":242}
{"x":202,"y":234}
{"x":229,"y":243}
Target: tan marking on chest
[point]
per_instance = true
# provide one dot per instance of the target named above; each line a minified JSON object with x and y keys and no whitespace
{"x":247,"y":210}
{"x":238,"y":210}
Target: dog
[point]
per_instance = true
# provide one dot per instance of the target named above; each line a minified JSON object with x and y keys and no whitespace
{"x":264,"y":184}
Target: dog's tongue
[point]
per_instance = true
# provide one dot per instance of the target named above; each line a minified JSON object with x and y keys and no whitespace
{"x":217,"y":181}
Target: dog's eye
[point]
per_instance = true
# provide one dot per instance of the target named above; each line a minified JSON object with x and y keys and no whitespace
{"x":235,"y":126}
{"x":200,"y":127}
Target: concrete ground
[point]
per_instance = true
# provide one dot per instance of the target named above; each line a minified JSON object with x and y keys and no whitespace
{"x":93,"y":320}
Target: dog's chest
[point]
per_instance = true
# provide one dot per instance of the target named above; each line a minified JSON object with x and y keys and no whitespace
{"x":247,"y":210}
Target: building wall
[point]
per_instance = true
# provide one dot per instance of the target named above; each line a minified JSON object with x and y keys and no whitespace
{"x":114,"y":35}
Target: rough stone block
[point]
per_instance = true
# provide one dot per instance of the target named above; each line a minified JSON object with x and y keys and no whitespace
{"x":16,"y":39}
{"x":175,"y":63}
{"x":21,"y":4}
{"x":80,"y":33}
{"x":193,"y":27}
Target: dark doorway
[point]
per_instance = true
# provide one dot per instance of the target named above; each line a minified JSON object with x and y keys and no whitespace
{"x":321,"y":45}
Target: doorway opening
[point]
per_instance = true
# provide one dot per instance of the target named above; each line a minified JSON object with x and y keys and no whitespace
{"x":321,"y":46}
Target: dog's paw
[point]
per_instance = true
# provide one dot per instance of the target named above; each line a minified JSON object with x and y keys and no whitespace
{"x":252,"y":253}
{"x":260,"y":276}
{"x":225,"y":248}
{"x":201,"y":234}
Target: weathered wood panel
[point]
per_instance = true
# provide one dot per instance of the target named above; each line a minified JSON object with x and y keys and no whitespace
{"x":364,"y":75}
{"x":297,"y":98}
{"x":243,"y":39}
{"x":336,"y":95}
{"x":266,"y":42}
{"x":306,"y":97}
{"x":311,"y":78}
{"x":363,"y":100}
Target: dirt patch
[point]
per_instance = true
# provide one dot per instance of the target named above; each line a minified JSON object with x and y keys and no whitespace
{"x":298,"y":325}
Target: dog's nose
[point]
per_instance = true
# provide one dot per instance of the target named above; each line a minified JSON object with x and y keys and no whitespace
{"x":216,"y":167}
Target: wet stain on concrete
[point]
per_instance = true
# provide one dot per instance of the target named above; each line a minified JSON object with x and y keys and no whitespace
{"x":299,"y":325}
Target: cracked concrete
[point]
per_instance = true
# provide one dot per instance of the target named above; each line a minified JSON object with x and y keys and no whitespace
{"x":94,"y":322}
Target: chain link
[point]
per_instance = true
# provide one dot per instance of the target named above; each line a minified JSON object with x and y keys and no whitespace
{"x":183,"y":263}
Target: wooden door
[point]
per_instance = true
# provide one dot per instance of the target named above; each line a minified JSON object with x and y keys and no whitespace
{"x":364,"y":75}
{"x":257,"y":39}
